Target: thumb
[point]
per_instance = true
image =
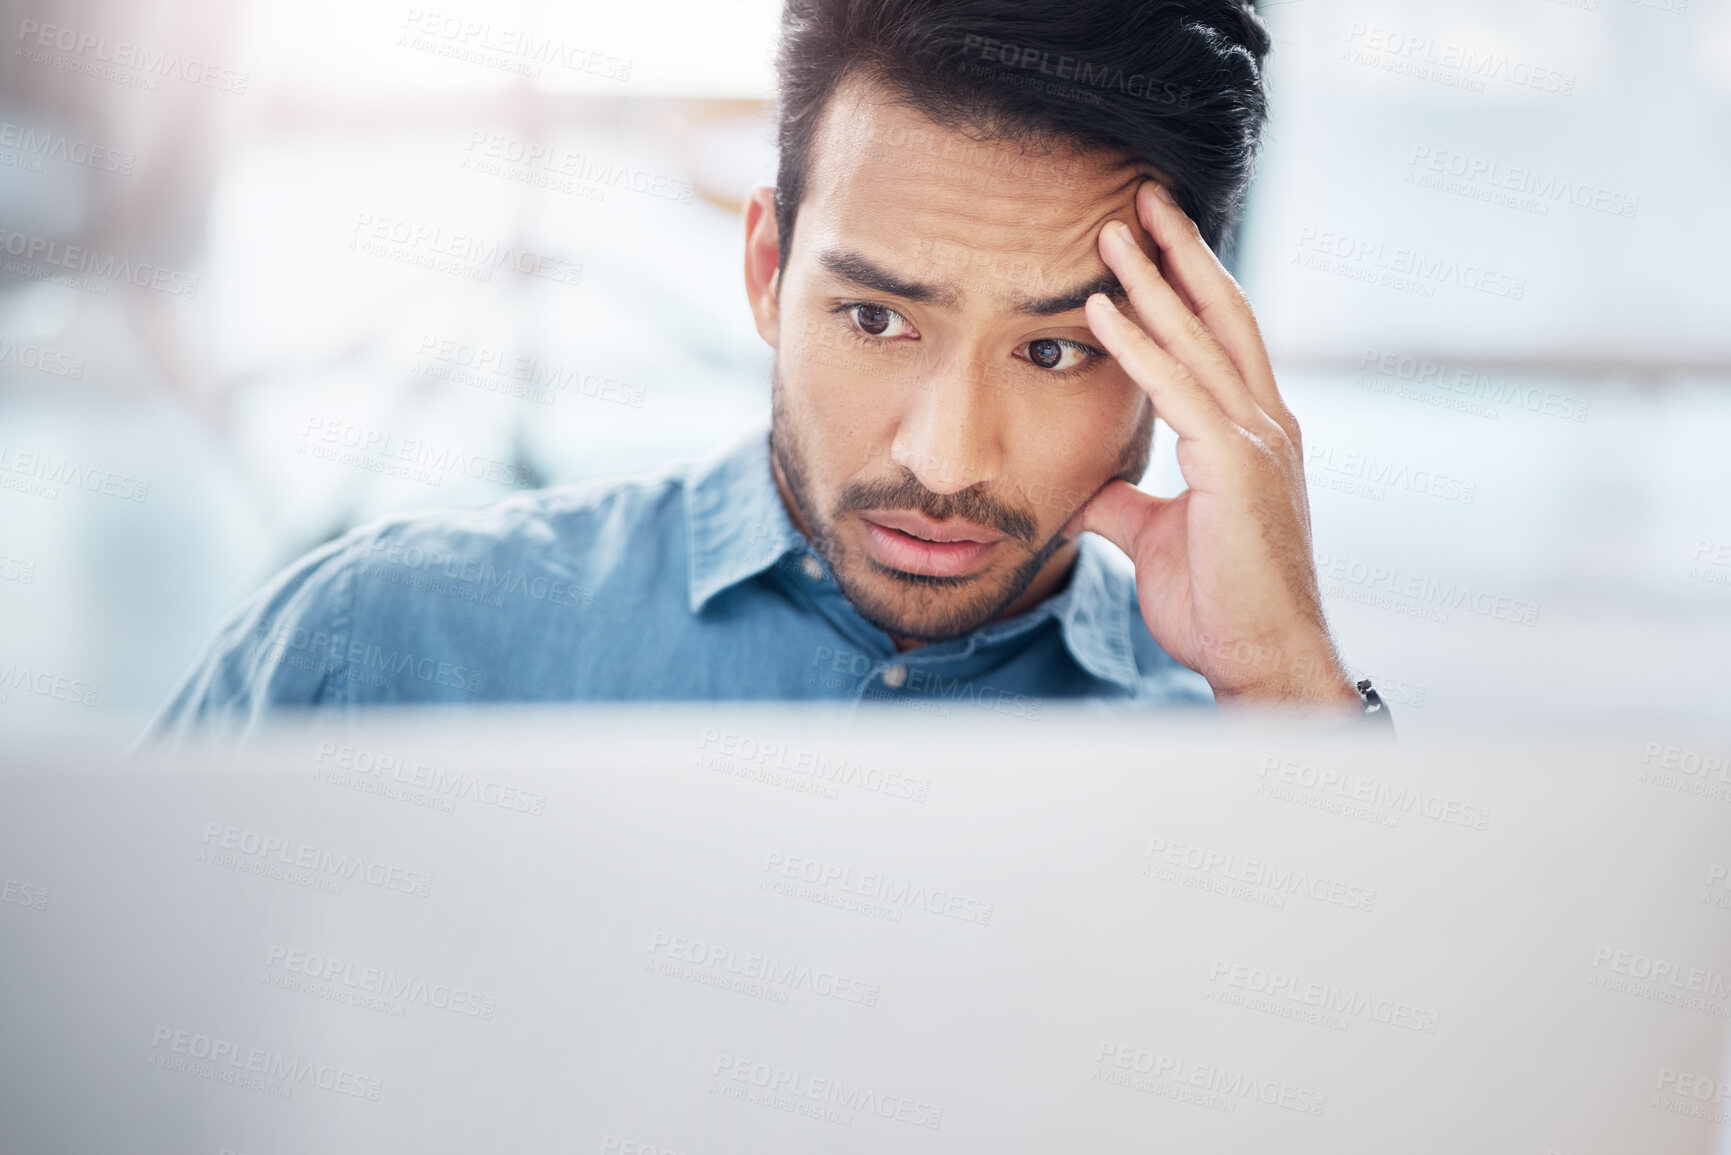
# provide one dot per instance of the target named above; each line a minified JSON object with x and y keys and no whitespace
{"x":1119,"y":513}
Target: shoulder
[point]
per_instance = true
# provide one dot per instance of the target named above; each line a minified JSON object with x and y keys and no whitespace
{"x":433,"y":561}
{"x":554,"y":526}
{"x":531,"y":567}
{"x":412,"y":606}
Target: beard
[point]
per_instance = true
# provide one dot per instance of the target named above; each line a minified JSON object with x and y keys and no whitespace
{"x":923,"y":607}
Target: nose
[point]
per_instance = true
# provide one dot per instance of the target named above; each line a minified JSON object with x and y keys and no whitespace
{"x":949,"y":436}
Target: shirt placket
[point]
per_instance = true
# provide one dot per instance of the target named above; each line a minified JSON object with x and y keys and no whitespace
{"x":897,"y":677}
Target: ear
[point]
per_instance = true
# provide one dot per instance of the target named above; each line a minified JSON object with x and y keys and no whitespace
{"x":763,"y":263}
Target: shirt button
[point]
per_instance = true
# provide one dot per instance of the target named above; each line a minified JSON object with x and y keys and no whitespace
{"x":812,"y":569}
{"x":894,"y":676}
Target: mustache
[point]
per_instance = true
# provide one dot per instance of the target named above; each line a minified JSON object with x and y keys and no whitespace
{"x":970,"y":504}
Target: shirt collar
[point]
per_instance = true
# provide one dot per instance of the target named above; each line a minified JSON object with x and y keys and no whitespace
{"x":737,"y":527}
{"x":1094,"y":611}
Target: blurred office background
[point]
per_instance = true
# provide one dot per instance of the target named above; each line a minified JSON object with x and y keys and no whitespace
{"x":1487,"y":244}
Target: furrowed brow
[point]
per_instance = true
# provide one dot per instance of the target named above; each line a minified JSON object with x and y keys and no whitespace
{"x":857,"y":270}
{"x":1106,"y":282}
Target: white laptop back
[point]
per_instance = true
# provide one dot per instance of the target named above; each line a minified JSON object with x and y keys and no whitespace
{"x":719,"y":930}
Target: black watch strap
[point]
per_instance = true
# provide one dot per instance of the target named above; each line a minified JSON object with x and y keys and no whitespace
{"x":1376,"y":712}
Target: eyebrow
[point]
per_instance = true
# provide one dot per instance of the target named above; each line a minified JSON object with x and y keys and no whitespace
{"x":1107,"y":283}
{"x":858,"y":270}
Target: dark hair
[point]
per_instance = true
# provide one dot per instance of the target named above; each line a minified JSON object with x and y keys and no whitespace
{"x":1173,"y":83}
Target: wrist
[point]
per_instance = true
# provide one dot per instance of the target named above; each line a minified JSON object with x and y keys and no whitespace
{"x":1318,"y":685}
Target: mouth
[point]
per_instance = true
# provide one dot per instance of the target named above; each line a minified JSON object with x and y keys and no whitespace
{"x":914,"y":543}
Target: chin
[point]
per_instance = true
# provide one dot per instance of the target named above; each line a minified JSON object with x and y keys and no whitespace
{"x":922,"y":608}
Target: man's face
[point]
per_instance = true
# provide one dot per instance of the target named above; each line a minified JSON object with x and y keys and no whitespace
{"x":941,"y":410}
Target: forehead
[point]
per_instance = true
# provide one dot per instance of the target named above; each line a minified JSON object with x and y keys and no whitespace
{"x":885,"y":181}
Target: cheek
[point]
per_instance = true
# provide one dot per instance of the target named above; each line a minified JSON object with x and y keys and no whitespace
{"x":812,"y":358}
{"x":840,"y":400}
{"x":1066,"y":447}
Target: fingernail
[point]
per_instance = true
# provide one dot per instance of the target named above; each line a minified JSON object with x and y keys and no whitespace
{"x":1164,"y":194}
{"x":1121,"y":234}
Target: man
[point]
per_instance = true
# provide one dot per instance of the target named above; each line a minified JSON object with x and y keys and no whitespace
{"x":981,"y":277}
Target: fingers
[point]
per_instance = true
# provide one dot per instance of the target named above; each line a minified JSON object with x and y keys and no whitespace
{"x":1219,"y":303}
{"x":1118,"y":512}
{"x":1178,"y":330}
{"x":1178,"y":398}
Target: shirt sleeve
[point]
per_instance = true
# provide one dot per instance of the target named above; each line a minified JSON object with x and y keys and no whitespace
{"x":273,"y":652}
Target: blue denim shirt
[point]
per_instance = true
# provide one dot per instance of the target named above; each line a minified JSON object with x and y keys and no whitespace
{"x":690,"y":583}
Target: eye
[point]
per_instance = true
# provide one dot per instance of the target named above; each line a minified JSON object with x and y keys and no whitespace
{"x":1060,"y":356}
{"x":877,"y":320}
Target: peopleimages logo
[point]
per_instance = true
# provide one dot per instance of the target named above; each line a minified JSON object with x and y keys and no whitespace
{"x":20,"y":893}
{"x":768,"y":970}
{"x":1448,"y":62}
{"x":1469,"y":384}
{"x":442,"y":783}
{"x":61,"y":687}
{"x":413,"y":458}
{"x":1370,"y":259}
{"x":1687,"y":761}
{"x":1688,"y":771}
{"x":1085,"y":74}
{"x":332,"y":977}
{"x":225,"y":1061}
{"x":1388,"y":473}
{"x":1222,"y":1089}
{"x":228,"y":845}
{"x":121,"y":60}
{"x":1690,"y":1094}
{"x":45,"y":473}
{"x":1328,"y":998}
{"x":464,"y":254}
{"x":46,"y":254}
{"x":1491,"y":179}
{"x":1327,"y":781}
{"x":357,"y":656}
{"x":498,"y":150}
{"x":496,"y":370}
{"x":815,"y":765}
{"x":1201,"y":860}
{"x":1416,"y":595}
{"x":1695,"y":980}
{"x":802,"y":1090}
{"x":894,"y":895}
{"x":509,"y":49}
{"x":42,"y":144}
{"x":43,"y":360}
